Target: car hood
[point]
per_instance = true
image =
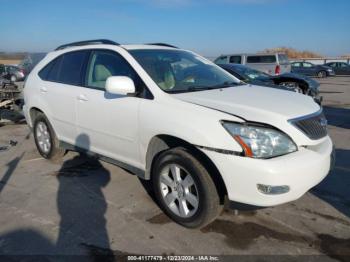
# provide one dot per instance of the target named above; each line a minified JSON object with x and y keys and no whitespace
{"x":254,"y":103}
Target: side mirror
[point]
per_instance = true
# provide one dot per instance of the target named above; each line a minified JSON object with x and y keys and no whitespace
{"x":120,"y":85}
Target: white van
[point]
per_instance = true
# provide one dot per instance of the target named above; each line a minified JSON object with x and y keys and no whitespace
{"x":273,"y":64}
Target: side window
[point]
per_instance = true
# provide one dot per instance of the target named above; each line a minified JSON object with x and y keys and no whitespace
{"x":261,"y":59}
{"x":51,"y":70}
{"x":343,"y":65}
{"x":307,"y":65}
{"x":332,"y":64}
{"x":236,"y":59}
{"x":221,"y":60}
{"x":72,"y":68}
{"x":104,"y":64}
{"x":296,"y":64}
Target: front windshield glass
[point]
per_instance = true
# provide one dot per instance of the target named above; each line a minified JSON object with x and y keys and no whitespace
{"x":251,"y":74}
{"x":177,"y":71}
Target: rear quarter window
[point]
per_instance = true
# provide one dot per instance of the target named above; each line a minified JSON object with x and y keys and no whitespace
{"x":261,"y":59}
{"x":51,"y":70}
{"x":67,"y":68}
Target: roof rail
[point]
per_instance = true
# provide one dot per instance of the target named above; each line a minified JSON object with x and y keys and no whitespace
{"x":87,"y":42}
{"x":163,"y":44}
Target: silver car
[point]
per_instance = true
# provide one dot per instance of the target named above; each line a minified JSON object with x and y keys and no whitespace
{"x":272,"y":64}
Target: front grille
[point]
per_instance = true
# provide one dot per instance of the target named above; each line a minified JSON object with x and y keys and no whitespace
{"x":314,"y":126}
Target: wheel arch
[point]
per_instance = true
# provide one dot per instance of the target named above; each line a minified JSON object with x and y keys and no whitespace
{"x":33,"y":112}
{"x":160,"y":143}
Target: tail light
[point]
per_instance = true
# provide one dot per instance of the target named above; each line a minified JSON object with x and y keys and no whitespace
{"x":277,"y":70}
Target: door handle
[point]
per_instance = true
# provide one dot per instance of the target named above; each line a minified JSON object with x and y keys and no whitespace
{"x":82,"y":98}
{"x":43,"y":89}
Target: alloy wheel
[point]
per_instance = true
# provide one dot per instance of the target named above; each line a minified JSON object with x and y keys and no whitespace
{"x":43,"y":137}
{"x":179,"y":190}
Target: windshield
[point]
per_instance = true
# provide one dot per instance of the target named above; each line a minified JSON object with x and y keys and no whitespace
{"x":251,"y":74}
{"x":177,"y":71}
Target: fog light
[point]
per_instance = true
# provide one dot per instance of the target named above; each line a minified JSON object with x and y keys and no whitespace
{"x":272,"y":190}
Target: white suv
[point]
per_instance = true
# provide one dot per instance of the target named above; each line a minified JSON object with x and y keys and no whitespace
{"x":175,"y":118}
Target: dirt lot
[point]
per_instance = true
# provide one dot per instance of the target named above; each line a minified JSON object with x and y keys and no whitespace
{"x":88,"y":207}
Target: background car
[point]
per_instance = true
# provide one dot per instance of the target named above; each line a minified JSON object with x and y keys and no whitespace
{"x":310,"y":69}
{"x":340,"y":68}
{"x":273,"y":64}
{"x":14,"y":73}
{"x":290,"y":81}
{"x":31,"y":60}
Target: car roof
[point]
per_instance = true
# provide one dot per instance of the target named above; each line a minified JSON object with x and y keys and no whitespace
{"x":254,"y":54}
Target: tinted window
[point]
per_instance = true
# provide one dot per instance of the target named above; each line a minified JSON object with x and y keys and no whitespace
{"x":296,"y":64}
{"x":332,"y":64}
{"x":221,"y":60}
{"x":235,"y":59}
{"x":343,"y":65}
{"x":104,"y":64}
{"x":51,"y":70}
{"x":261,"y":59}
{"x":72,"y":68}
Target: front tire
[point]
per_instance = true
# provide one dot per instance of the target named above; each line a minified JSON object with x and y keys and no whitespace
{"x":184,"y":189}
{"x":322,"y":74}
{"x":45,"y":139}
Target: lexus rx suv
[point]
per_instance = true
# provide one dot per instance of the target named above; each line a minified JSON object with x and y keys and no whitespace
{"x":170,"y":116}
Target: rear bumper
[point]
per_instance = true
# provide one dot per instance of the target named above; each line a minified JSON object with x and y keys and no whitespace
{"x":300,"y":171}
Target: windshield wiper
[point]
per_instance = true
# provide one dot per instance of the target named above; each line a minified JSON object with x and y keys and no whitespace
{"x":202,"y":88}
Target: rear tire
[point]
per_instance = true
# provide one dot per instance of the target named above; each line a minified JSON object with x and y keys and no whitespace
{"x":46,"y":140}
{"x":184,"y":189}
{"x":322,"y":74}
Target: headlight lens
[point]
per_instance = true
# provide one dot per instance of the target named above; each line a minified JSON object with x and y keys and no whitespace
{"x":260,"y":142}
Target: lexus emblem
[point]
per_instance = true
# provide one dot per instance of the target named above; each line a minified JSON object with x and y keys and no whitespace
{"x":323,"y":122}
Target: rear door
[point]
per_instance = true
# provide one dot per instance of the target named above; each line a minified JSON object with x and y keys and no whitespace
{"x":309,"y":69}
{"x":297,"y":67}
{"x":62,"y":78}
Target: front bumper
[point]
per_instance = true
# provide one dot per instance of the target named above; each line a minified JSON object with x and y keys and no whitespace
{"x":330,"y":73}
{"x":300,"y":170}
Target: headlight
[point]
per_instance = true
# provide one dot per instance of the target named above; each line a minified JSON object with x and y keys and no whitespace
{"x":329,"y":70}
{"x":260,"y":142}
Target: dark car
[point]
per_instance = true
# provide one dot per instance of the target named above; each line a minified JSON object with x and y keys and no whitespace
{"x":14,"y":73}
{"x":340,"y":68}
{"x":310,"y":69}
{"x":292,"y":82}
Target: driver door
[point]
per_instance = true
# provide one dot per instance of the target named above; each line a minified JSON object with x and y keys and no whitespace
{"x":109,"y":121}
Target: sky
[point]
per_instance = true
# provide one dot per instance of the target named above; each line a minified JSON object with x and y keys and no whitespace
{"x":209,"y":27}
